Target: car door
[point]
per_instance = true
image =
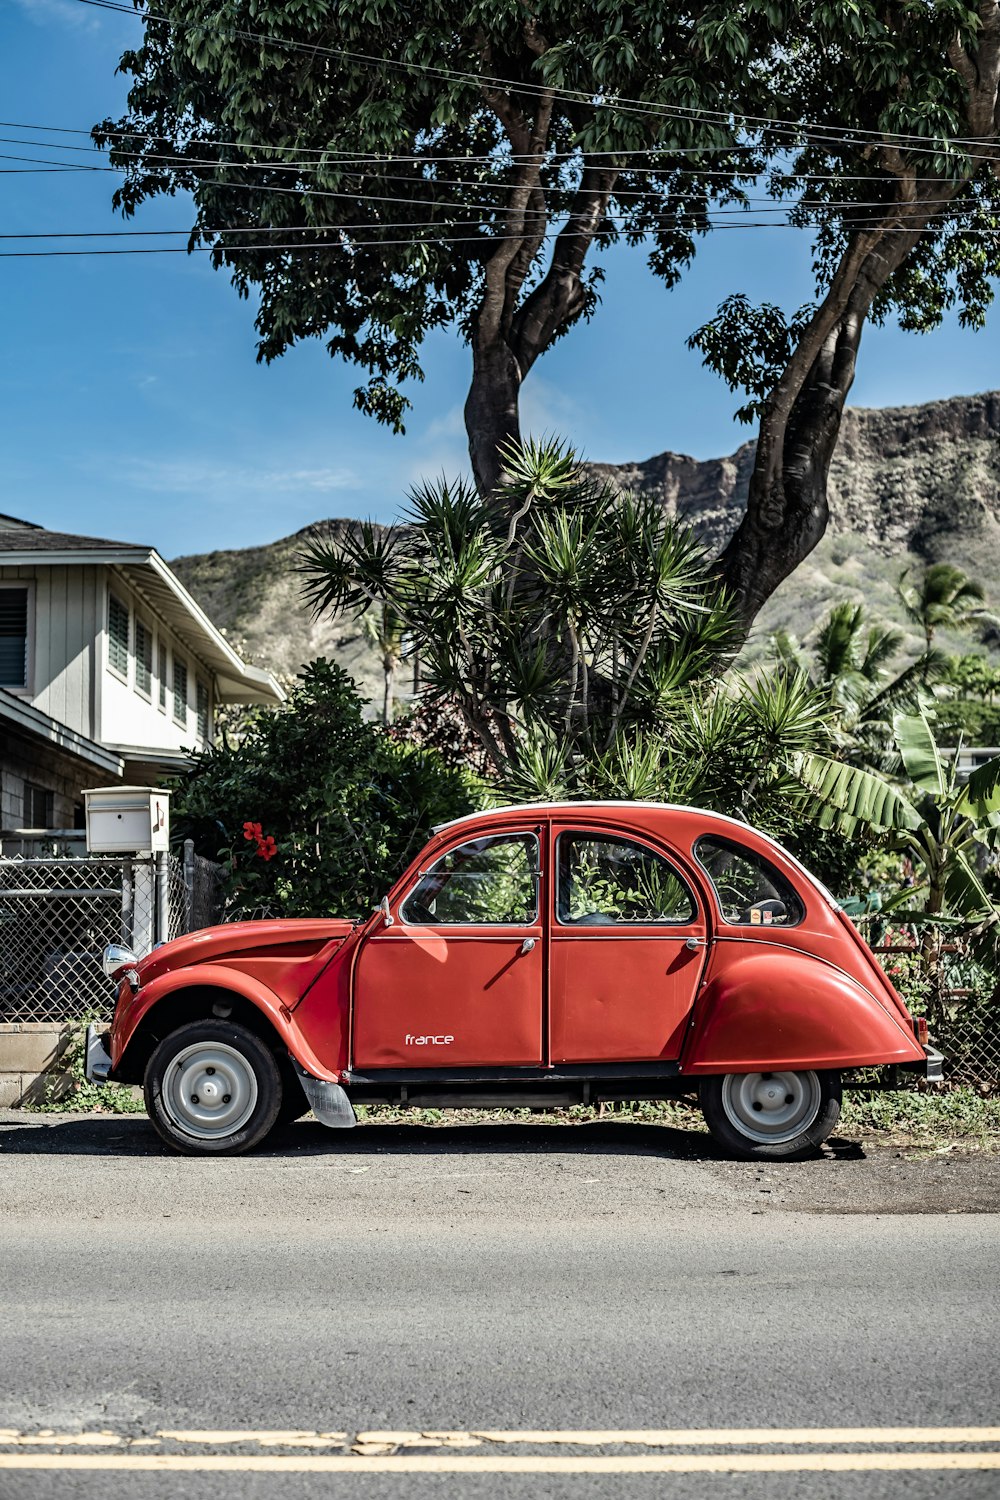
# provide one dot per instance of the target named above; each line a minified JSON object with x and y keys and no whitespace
{"x":457,"y":980}
{"x":627,"y":948}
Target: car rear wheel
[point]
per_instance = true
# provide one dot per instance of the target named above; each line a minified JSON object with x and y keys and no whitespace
{"x":212,"y":1088}
{"x":771,"y":1115}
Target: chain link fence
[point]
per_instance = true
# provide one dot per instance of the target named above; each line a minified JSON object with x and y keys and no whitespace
{"x":58,"y":913}
{"x":968,"y":1033}
{"x":964,"y":1015}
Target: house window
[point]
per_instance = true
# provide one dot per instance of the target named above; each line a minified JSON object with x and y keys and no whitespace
{"x":180,"y":692}
{"x":13,"y":637}
{"x":162,"y":673}
{"x":39,"y":808}
{"x":202,"y":720}
{"x":117,"y":636}
{"x":143,"y":659}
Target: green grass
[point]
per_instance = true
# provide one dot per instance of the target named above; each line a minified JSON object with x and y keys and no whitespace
{"x":959,"y":1118}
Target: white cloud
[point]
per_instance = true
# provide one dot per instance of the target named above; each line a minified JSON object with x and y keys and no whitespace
{"x":44,"y":12}
{"x":548,"y":410}
{"x":193,"y":476}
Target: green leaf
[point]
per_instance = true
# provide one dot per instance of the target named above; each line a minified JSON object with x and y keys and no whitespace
{"x":919,"y":750}
{"x":965,"y":892}
{"x":981,"y":797}
{"x":857,"y":796}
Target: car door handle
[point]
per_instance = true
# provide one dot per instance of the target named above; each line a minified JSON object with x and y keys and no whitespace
{"x":527,"y":945}
{"x":693,"y":943}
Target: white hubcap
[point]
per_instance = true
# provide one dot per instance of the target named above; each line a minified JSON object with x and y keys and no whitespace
{"x":771,"y":1108}
{"x":209,"y":1090}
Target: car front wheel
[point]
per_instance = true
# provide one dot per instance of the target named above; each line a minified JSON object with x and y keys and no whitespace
{"x":212,"y":1088}
{"x":771,"y":1115}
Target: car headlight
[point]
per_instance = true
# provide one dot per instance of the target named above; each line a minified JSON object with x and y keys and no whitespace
{"x":116,"y":957}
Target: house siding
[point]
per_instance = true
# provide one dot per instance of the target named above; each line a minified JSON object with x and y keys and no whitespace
{"x":70,"y":677}
{"x":129,"y":717}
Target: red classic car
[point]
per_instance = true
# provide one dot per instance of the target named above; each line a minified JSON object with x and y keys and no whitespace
{"x":532,"y":956}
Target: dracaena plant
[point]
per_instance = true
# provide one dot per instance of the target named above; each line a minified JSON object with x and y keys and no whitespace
{"x":585,"y":645}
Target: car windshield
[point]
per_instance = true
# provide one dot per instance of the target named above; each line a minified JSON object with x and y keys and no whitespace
{"x":487,"y":881}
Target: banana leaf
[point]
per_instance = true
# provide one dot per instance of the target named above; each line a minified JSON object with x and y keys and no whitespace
{"x":919,"y":750}
{"x":848,"y":795}
{"x":981,"y":797}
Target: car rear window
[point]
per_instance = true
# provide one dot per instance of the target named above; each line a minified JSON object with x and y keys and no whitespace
{"x":750,"y":891}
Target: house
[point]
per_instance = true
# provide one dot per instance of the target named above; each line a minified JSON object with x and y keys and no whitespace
{"x":109,"y":671}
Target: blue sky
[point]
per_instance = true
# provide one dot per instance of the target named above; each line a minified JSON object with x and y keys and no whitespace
{"x":132,"y":406}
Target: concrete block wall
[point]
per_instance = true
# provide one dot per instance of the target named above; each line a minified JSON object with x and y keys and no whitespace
{"x":29,"y":1050}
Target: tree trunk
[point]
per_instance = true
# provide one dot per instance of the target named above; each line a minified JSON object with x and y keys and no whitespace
{"x":388,"y":673}
{"x":787,"y":508}
{"x":491,"y":408}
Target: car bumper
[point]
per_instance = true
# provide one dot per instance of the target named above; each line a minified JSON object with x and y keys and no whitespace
{"x":931,"y":1068}
{"x":98,"y":1058}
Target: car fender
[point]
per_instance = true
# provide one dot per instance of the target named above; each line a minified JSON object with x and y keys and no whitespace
{"x":782,"y":1008}
{"x":132,"y":1011}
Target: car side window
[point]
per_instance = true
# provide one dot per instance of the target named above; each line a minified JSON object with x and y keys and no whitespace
{"x":604,"y":881}
{"x":490,"y":881}
{"x":751,"y":892}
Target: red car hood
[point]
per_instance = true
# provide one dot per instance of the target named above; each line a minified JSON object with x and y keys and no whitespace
{"x":281,"y":937}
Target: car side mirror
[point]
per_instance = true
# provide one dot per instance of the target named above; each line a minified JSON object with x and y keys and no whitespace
{"x":386,"y":914}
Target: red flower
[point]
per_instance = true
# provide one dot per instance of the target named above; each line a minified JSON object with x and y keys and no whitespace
{"x":266,"y":847}
{"x":251,"y":831}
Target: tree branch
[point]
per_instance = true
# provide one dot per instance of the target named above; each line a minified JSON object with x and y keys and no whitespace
{"x":559,"y":295}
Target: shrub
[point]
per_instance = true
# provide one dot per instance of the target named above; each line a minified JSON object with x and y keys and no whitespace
{"x":315,"y":811}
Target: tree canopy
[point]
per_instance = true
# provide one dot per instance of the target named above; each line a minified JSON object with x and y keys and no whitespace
{"x":375,"y":171}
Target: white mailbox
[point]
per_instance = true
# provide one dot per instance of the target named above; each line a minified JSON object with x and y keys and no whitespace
{"x":127,"y":819}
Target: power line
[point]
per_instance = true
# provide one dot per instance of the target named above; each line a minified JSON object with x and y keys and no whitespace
{"x":357,"y":165}
{"x":619,"y":220}
{"x":350,"y":246}
{"x":623,"y":103}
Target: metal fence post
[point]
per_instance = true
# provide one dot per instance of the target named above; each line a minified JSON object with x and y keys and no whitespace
{"x":128,"y":903}
{"x":189,"y":883}
{"x":162,"y":926}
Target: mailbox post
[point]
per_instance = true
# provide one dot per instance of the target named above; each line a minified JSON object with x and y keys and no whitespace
{"x":134,"y":821}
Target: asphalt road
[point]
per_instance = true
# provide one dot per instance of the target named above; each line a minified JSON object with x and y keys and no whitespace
{"x":535,"y":1283}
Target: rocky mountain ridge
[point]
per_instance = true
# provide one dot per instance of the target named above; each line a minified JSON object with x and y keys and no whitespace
{"x":908,"y":485}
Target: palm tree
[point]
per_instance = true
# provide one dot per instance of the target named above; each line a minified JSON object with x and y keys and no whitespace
{"x":384,"y":628}
{"x":585,"y":644}
{"x":849,"y":664}
{"x":945,"y":598}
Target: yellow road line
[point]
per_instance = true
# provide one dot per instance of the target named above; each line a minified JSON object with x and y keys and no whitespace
{"x":449,"y":1463}
{"x":299,"y":1437}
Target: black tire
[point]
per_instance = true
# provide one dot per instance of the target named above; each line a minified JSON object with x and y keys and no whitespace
{"x":811,"y":1104}
{"x":294,"y":1104}
{"x":212,"y":1056}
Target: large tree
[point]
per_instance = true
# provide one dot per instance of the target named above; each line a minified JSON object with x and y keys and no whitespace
{"x":374,"y":171}
{"x":892,"y":155}
{"x":418,"y":166}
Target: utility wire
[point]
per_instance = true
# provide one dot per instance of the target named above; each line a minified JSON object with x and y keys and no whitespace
{"x":672,"y":221}
{"x":623,"y":103}
{"x":349,"y":246}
